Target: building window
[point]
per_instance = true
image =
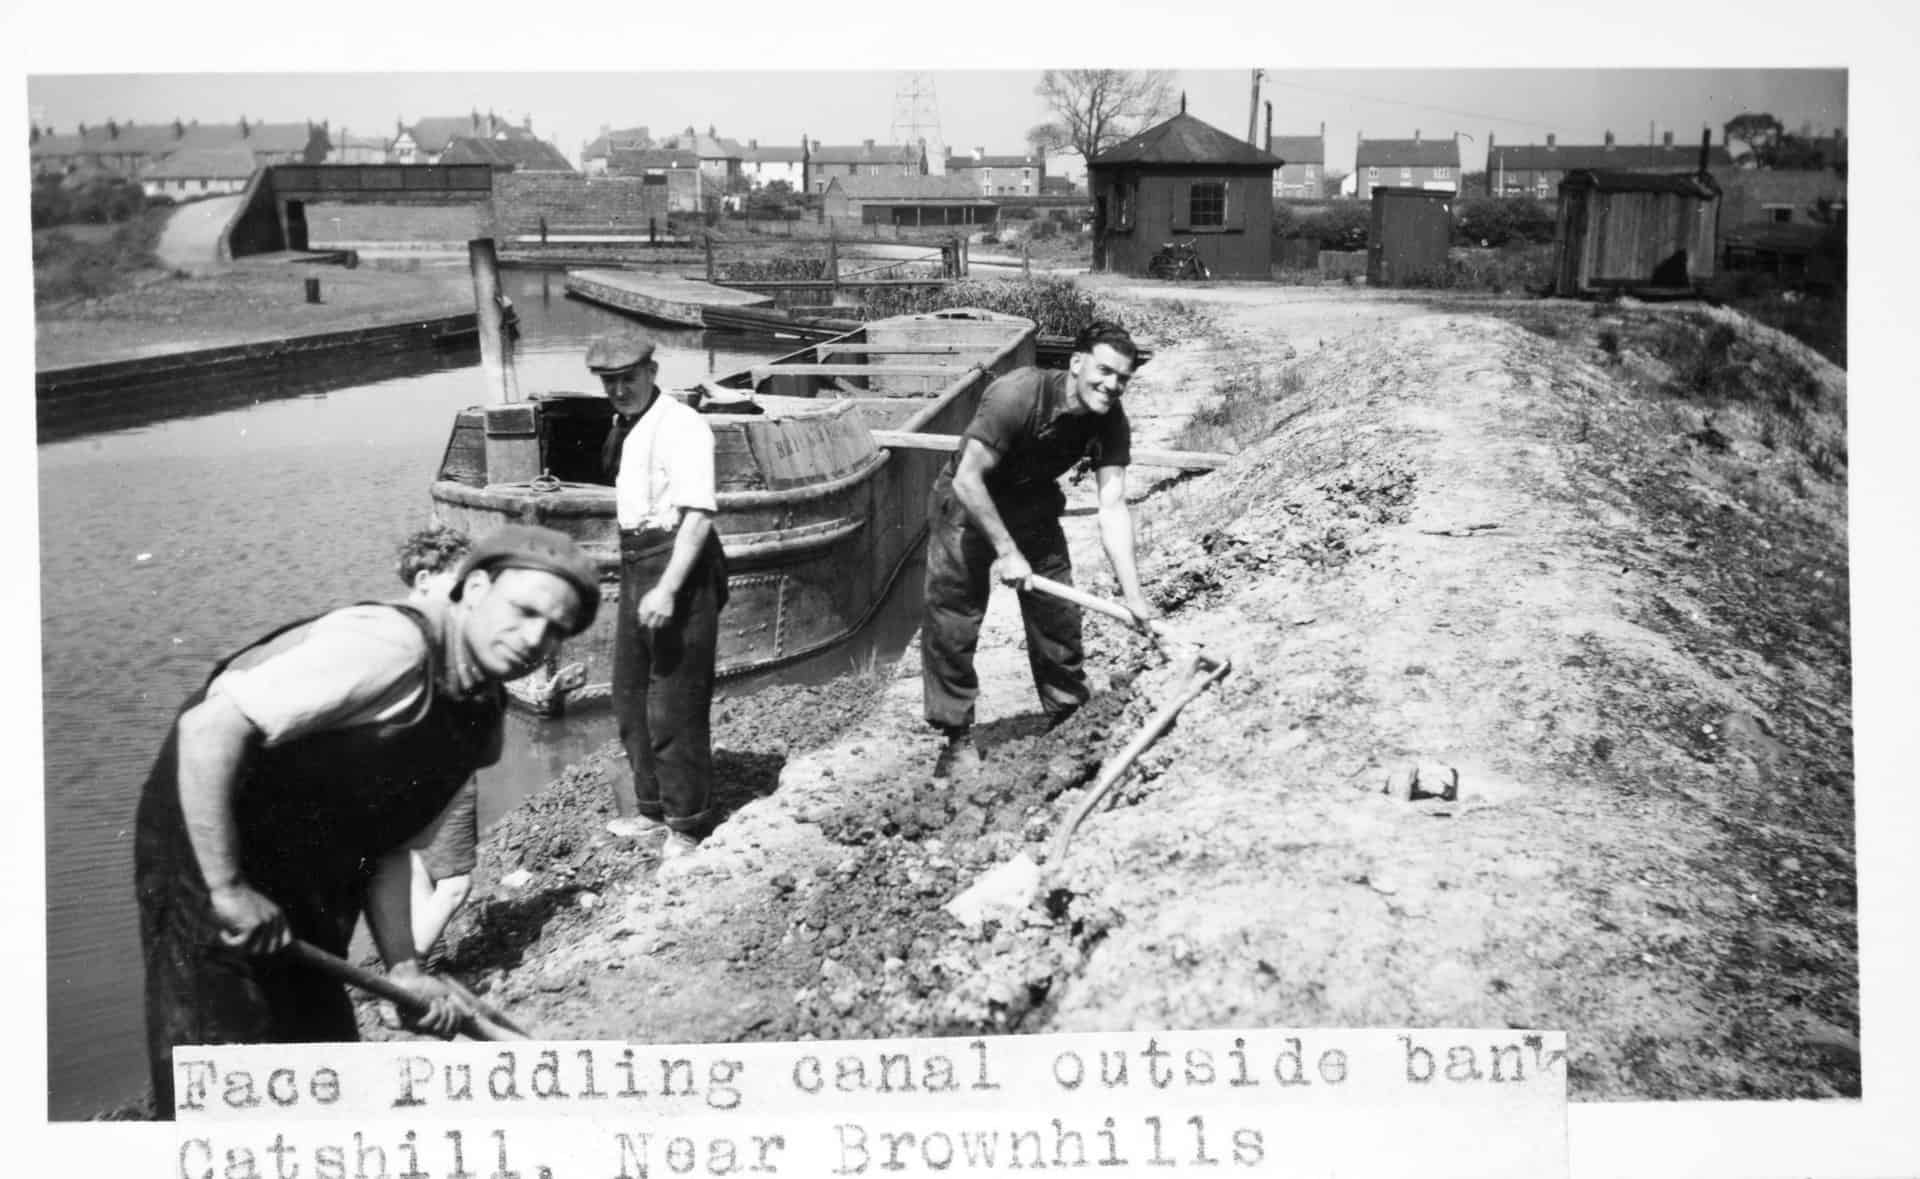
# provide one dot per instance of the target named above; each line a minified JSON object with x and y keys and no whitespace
{"x":1373,"y":173}
{"x":1124,"y":195}
{"x":1207,"y":203}
{"x":1406,"y":175}
{"x":1310,"y":172}
{"x":1778,"y":214}
{"x":1440,"y":174}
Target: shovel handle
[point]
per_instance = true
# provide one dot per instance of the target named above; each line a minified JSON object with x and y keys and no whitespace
{"x":1086,"y":601}
{"x":482,"y":1026}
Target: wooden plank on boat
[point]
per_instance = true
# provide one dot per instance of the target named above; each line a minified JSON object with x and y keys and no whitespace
{"x":665,"y":297}
{"x":762,"y":371}
{"x":891,"y":349}
{"x":1185,"y":460}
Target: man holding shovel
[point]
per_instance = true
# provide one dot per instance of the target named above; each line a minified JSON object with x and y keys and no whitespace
{"x":306,"y":759}
{"x":994,"y":515}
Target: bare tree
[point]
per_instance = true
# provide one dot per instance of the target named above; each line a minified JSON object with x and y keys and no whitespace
{"x":1044,"y":139}
{"x":1098,"y":108}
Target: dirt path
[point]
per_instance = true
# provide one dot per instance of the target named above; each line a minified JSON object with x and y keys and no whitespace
{"x":191,"y":240}
{"x":1598,"y":601}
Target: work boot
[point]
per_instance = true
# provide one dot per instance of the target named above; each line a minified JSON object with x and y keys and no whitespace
{"x":636,"y":827}
{"x":959,"y":759}
{"x":678,"y":844}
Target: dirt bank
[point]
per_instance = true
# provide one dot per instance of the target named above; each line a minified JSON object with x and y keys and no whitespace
{"x":1585,"y":569}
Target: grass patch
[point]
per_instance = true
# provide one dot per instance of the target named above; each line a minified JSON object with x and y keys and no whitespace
{"x":69,"y":265}
{"x":1251,"y":402}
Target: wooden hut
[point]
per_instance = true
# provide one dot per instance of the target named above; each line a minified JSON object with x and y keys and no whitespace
{"x":1408,"y":238}
{"x":1632,"y":231}
{"x":1185,"y":179}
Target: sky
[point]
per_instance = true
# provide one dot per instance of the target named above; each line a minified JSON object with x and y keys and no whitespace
{"x":985,"y":108}
{"x":1385,"y":68}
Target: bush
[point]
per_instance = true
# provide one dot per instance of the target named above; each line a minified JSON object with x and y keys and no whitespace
{"x":1496,"y":221}
{"x":67,"y":267}
{"x":1059,"y":307}
{"x":1342,"y":226}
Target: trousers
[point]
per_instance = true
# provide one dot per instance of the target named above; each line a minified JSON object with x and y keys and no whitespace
{"x":663,"y":682}
{"x":959,"y":579}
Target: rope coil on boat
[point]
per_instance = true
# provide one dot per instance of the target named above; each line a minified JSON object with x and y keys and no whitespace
{"x":543,"y":484}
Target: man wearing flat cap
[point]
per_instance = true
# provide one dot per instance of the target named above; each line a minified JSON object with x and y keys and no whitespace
{"x":673,"y":583}
{"x":307,"y":759}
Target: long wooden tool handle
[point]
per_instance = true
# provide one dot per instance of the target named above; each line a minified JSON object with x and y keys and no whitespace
{"x":1085,"y":600}
{"x":480,"y":1027}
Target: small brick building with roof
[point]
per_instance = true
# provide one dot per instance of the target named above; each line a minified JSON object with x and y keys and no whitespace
{"x":1184,"y":178}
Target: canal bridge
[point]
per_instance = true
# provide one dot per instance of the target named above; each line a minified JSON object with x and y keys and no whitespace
{"x":273,"y":210}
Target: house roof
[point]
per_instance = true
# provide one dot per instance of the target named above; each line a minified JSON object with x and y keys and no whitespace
{"x":262,"y":138}
{"x":1299,"y":149}
{"x":859,"y":153}
{"x":1407,"y":153}
{"x":958,"y":162}
{"x":707,"y":147}
{"x":640,"y":159}
{"x":1535,"y":157}
{"x":1184,"y":139}
{"x":204,"y":163}
{"x":774,"y":155}
{"x":628,"y":137}
{"x":909,"y":188}
{"x":519,"y":155}
{"x":433,"y":134}
{"x":1606,"y":180}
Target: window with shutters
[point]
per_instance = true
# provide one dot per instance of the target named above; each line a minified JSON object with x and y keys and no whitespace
{"x":1207,"y":204}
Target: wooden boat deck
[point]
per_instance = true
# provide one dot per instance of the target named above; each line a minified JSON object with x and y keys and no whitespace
{"x":665,"y":297}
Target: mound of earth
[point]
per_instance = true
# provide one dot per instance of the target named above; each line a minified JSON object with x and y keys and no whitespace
{"x":1539,"y":718}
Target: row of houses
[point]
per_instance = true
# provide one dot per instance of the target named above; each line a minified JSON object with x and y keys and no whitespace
{"x":184,"y":159}
{"x":1531,"y":169}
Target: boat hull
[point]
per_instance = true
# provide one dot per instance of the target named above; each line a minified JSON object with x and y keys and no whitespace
{"x":816,"y":520}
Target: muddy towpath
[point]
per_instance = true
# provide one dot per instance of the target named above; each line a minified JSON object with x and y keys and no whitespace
{"x":1539,"y":718}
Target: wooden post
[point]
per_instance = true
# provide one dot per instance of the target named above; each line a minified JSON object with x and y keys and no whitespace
{"x":709,"y":238}
{"x":1026,"y":258}
{"x":653,"y":233}
{"x":313,"y":290}
{"x":496,"y":358}
{"x":833,"y":262}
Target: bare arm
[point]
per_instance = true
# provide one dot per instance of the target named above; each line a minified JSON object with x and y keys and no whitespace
{"x":1116,"y":536}
{"x":215,"y":740}
{"x":970,"y":486}
{"x":656,"y":605}
{"x":390,"y":920}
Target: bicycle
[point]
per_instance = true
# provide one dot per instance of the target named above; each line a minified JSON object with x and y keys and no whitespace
{"x":1179,"y":260}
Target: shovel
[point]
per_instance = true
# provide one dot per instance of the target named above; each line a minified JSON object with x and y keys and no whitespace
{"x":488,"y":1022}
{"x":1010,"y":889}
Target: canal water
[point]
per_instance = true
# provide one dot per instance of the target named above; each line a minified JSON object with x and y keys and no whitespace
{"x":164,"y":547}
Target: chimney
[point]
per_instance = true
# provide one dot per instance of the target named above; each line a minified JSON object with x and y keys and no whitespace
{"x":1549,"y":141}
{"x":245,"y":129}
{"x":526,"y":123}
{"x":1706,"y":146}
{"x":83,"y":130}
{"x":1609,"y":143}
{"x":113,"y":129}
{"x":979,"y":153}
{"x":1323,"y":130}
{"x":868,"y":143}
{"x":1183,"y":102}
{"x":753,"y":145}
{"x":1269,"y":128}
{"x":816,"y":145}
{"x":1416,"y":135}
{"x":179,"y":129}
{"x":476,"y":118}
{"x":1666,"y":140}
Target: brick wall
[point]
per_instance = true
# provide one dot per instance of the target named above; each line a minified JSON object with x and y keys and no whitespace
{"x":576,"y":204}
{"x":344,"y":221}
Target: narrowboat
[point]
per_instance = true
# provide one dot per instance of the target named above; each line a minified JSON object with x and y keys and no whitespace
{"x":816,"y":519}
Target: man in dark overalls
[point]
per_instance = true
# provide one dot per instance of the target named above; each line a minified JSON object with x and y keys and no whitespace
{"x":673,"y":583}
{"x":305,"y":760}
{"x":994,"y":515}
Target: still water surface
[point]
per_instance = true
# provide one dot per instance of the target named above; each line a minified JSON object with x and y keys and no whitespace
{"x":163,"y":548}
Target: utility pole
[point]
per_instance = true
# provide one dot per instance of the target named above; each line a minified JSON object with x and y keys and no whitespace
{"x":1253,"y":111}
{"x":916,"y":122}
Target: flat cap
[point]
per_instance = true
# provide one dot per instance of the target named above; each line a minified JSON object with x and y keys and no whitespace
{"x":529,"y":546}
{"x":617,"y":352}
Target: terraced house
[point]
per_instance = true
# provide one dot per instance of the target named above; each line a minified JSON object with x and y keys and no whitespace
{"x":999,"y":175}
{"x":130,"y":149}
{"x":1406,"y":163}
{"x":597,"y":156}
{"x":764,"y":165}
{"x":428,"y":139}
{"x":1303,"y":177}
{"x":1536,"y":170}
{"x":830,"y":160}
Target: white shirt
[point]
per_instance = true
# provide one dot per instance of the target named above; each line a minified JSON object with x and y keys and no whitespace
{"x":666,"y":467}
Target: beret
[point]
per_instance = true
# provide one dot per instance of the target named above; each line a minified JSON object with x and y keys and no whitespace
{"x":617,"y":352}
{"x":529,"y":546}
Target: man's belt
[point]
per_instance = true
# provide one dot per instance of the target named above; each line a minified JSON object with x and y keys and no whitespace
{"x":636,"y":543}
